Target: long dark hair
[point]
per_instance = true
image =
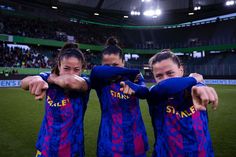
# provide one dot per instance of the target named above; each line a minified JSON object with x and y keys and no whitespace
{"x":69,"y":50}
{"x":112,"y":47}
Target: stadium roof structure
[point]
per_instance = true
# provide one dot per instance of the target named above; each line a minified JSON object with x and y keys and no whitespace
{"x":113,"y":11}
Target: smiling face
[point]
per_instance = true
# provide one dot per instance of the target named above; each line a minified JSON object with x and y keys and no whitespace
{"x":166,"y":69}
{"x":112,"y":60}
{"x":70,"y":65}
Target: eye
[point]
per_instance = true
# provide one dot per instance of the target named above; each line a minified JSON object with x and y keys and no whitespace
{"x":77,"y":69}
{"x":170,"y":73}
{"x":66,"y":68}
{"x":158,"y":76}
{"x":115,"y":64}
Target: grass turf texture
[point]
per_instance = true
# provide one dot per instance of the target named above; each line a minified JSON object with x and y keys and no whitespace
{"x":21,"y":115}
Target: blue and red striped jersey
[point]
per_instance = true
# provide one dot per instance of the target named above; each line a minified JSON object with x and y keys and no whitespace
{"x":62,"y":130}
{"x":179,"y":129}
{"x":122,"y":132}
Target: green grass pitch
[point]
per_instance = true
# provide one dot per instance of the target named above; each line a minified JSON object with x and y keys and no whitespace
{"x":21,"y":115}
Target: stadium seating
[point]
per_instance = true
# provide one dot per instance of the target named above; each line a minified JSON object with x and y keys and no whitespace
{"x":192,"y":36}
{"x":219,"y":33}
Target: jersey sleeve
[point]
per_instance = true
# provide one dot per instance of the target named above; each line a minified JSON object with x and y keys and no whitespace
{"x":87,"y":79}
{"x":101,"y":75}
{"x":141,"y":91}
{"x":139,"y":87}
{"x":45,"y":75}
{"x":172,"y":86}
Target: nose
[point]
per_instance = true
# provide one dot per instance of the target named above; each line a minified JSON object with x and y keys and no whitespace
{"x":71,"y":72}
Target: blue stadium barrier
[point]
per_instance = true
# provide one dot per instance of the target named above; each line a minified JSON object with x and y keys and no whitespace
{"x":16,"y":83}
{"x":220,"y":82}
{"x":10,"y":83}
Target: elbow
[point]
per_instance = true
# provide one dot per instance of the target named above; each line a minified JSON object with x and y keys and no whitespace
{"x":145,"y":95}
{"x":93,"y":74}
{"x":143,"y":92}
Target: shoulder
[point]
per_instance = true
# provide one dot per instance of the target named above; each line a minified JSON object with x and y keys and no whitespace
{"x":151,"y":87}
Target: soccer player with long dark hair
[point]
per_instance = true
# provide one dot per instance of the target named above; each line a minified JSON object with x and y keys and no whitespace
{"x":122,"y":132}
{"x":67,"y":92}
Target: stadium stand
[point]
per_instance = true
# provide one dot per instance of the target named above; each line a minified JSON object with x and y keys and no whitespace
{"x":220,"y":32}
{"x":191,"y":36}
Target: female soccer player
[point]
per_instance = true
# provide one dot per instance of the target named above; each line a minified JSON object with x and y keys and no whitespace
{"x":122,"y":131}
{"x":61,"y":132}
{"x":180,"y":129}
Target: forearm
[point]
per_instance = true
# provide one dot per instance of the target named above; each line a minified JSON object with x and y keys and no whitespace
{"x":142,"y":92}
{"x":172,"y":86}
{"x":72,"y":82}
{"x":107,"y":73}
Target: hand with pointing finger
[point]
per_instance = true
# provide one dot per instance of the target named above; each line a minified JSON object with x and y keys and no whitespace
{"x":38,"y":87}
{"x":126,"y":89}
{"x":204,"y":95}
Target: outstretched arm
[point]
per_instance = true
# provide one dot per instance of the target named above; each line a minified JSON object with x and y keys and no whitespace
{"x":105,"y":74}
{"x":172,"y":86}
{"x":73,"y":82}
{"x":202,"y":95}
{"x":36,"y":85}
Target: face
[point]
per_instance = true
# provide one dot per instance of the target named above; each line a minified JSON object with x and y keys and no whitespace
{"x":112,"y":60}
{"x":71,"y":66}
{"x":166,"y":69}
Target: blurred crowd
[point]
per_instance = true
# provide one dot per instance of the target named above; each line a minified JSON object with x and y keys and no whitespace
{"x":37,"y":57}
{"x":56,"y":30}
{"x":25,"y":58}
